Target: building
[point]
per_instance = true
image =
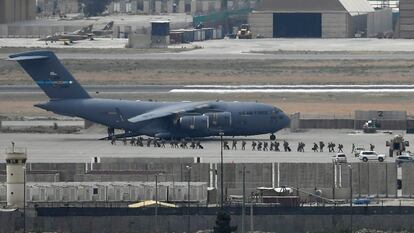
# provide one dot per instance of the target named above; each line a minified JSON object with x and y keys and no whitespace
{"x":310,"y":18}
{"x":12,"y":11}
{"x":406,"y":25}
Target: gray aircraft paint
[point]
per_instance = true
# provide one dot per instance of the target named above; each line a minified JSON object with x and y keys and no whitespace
{"x":159,"y":119}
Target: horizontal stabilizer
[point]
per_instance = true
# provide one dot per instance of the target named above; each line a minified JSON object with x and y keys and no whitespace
{"x":25,"y":58}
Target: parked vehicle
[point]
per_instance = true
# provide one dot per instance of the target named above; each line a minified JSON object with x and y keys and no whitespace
{"x":339,"y":158}
{"x":358,"y":150}
{"x":404,"y":158}
{"x":371,"y":155}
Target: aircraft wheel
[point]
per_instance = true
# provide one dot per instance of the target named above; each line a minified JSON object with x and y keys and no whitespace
{"x":272,"y":137}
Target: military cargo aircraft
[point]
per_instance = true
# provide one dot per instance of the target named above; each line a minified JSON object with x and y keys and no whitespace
{"x":156,"y":119}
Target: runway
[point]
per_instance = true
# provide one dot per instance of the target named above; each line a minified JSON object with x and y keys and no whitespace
{"x":83,"y":147}
{"x":222,"y":89}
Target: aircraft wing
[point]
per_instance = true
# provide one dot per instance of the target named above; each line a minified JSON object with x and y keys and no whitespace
{"x":170,"y":110}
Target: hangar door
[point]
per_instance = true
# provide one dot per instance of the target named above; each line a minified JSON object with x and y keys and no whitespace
{"x":297,"y":25}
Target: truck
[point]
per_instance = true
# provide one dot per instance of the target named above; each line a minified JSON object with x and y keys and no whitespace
{"x":244,"y":32}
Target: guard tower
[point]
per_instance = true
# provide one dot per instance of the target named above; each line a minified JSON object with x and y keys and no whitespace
{"x":15,"y":168}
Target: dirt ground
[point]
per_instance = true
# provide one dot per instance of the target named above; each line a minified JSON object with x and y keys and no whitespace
{"x":234,"y":72}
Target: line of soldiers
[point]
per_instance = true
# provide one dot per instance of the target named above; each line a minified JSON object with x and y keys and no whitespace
{"x":160,"y":143}
{"x":318,"y":147}
{"x":256,"y":145}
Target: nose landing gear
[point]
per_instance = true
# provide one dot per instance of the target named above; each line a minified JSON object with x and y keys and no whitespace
{"x":272,"y":137}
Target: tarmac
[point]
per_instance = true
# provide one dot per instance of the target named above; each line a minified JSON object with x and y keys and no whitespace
{"x":59,"y":148}
{"x":226,"y":49}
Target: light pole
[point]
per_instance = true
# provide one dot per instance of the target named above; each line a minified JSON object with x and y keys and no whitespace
{"x":221,"y":170}
{"x":188,"y":198}
{"x":24,"y":197}
{"x":156,"y":202}
{"x":244,"y":198}
{"x":350,"y":194}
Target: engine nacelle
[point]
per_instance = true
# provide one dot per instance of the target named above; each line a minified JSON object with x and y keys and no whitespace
{"x":194,"y":122}
{"x":219,"y":119}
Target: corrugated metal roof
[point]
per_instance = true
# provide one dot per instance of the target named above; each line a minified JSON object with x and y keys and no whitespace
{"x":357,"y":7}
{"x":354,"y":7}
{"x":300,"y":5}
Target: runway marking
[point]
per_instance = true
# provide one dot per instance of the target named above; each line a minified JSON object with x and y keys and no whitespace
{"x":341,"y":86}
{"x":230,"y":91}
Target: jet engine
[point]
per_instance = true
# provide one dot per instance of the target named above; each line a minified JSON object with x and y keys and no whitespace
{"x":194,"y":122}
{"x":219,"y":119}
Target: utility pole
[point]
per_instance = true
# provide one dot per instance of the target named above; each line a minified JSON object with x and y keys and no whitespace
{"x":244,"y":199}
{"x":221,"y":171}
{"x":350,"y":195}
{"x":188,"y":199}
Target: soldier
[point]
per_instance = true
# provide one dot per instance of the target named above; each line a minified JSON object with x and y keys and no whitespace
{"x":198,"y":145}
{"x":321,"y":146}
{"x":265,"y":144}
{"x":302,"y":147}
{"x":371,"y":147}
{"x":113,"y":140}
{"x":340,"y":147}
{"x":333,"y":147}
{"x":192,"y":145}
{"x":259,"y":146}
{"x":148,"y":142}
{"x":299,"y":145}
{"x":353,"y":148}
{"x":315,"y":147}
{"x":277,"y":144}
{"x":243,"y":145}
{"x":124,"y":140}
{"x":132,"y":142}
{"x":285,"y":145}
{"x":254,"y":145}
{"x":234,"y":145}
{"x":226,"y":145}
{"x":271,"y":146}
{"x":163,"y":143}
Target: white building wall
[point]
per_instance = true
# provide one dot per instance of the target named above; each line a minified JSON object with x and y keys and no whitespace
{"x":335,"y":25}
{"x":261,"y":23}
{"x":379,"y":21}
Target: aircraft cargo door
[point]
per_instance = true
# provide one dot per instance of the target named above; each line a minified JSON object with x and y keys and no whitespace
{"x":297,"y":25}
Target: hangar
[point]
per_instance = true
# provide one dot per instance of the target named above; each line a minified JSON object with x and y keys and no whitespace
{"x":310,"y":18}
{"x":406,"y":25}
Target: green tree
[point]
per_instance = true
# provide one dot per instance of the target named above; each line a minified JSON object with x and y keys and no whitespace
{"x":94,"y":7}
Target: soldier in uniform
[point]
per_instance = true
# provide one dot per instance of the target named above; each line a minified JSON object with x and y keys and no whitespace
{"x":321,"y":146}
{"x":340,"y":147}
{"x":371,"y":147}
{"x":234,"y":145}
{"x":113,"y":140}
{"x":243,"y":145}
{"x":265,"y":144}
{"x":277,"y":144}
{"x":315,"y":147}
{"x":192,"y":145}
{"x":254,"y":145}
{"x":198,"y":145}
{"x":259,"y":146}
{"x":302,"y":147}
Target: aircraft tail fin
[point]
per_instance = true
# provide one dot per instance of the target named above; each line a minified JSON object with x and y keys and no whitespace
{"x":108,"y":26}
{"x":50,"y":75}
